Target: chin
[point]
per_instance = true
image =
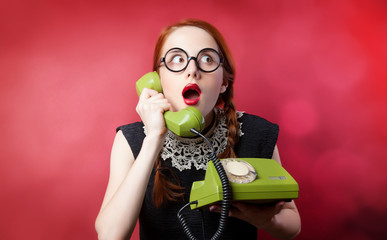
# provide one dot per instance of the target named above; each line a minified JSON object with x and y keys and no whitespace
{"x":178,"y":108}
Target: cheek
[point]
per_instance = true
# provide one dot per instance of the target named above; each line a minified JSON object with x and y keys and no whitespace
{"x":163,"y":77}
{"x":168,"y":83}
{"x":212,"y":91}
{"x":217,"y":84}
{"x":220,"y":79}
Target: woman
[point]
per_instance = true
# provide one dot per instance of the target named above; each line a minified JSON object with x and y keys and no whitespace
{"x":152,"y":169}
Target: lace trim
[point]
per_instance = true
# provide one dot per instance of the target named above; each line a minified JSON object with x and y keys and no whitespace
{"x":185,"y":152}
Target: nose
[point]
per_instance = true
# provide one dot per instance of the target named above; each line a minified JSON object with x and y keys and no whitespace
{"x":192,"y":70}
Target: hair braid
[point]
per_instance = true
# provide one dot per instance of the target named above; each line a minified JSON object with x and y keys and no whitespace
{"x":232,"y":124}
{"x":167,"y":190}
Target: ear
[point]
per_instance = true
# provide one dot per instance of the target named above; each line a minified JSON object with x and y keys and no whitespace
{"x":223,"y":88}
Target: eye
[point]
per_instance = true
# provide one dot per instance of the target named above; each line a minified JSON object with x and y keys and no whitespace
{"x":177,"y":59}
{"x":206,"y":59}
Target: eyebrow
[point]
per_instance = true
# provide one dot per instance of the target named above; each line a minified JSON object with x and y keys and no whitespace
{"x":178,"y":49}
{"x":175,"y":50}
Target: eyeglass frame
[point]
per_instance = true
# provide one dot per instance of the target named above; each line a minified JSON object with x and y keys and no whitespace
{"x":162,"y":60}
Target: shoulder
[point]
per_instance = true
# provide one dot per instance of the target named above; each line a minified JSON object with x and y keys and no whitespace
{"x":258,"y":137}
{"x":120,"y":146}
{"x":136,"y":126}
{"x":132,"y":130}
{"x":134,"y":135}
{"x":250,"y":121}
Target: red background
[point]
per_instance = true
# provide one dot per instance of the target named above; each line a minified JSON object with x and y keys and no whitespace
{"x":68,"y":68}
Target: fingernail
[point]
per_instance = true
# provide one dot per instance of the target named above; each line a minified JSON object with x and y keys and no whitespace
{"x":213,"y":208}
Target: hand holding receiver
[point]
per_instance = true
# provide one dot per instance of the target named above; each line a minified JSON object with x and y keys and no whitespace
{"x":180,"y":122}
{"x":151,"y":107}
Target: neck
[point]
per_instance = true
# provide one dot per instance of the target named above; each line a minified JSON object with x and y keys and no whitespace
{"x":208,"y":118}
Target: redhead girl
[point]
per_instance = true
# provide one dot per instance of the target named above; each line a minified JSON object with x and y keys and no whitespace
{"x":152,"y":169}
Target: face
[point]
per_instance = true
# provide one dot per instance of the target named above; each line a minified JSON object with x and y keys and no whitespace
{"x":192,"y":87}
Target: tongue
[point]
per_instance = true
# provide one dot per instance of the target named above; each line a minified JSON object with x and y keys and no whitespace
{"x":191,"y":94}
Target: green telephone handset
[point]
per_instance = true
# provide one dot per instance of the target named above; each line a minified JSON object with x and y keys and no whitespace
{"x":180,"y":122}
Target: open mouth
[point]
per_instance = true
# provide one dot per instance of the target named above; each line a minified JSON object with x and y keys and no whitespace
{"x":191,"y":94}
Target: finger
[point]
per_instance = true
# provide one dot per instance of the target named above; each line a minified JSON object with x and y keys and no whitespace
{"x":233,"y":212}
{"x":279,"y":206}
{"x":215,"y":208}
{"x":164,"y":105}
{"x":241,"y":207}
{"x":237,"y":209}
{"x":150,"y":96}
{"x":153,"y":106}
{"x":158,"y":100}
{"x":147,"y":93}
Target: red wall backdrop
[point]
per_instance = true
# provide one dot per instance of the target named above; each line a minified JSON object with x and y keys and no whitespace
{"x":67,"y":73}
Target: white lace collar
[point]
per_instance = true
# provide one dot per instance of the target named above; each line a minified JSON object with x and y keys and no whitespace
{"x":185,"y":152}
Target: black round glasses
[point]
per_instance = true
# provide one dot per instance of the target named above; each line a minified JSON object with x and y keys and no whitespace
{"x":207,"y":60}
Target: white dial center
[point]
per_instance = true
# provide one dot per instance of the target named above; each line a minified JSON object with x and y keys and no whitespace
{"x":237,"y":168}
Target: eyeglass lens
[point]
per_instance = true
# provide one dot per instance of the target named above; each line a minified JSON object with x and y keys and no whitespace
{"x":207,"y":60}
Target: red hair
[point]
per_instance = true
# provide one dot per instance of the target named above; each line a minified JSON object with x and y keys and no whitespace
{"x":164,"y":189}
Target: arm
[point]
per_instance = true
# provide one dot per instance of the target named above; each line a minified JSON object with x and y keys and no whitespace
{"x":126,"y":188}
{"x":286,"y":224}
{"x":128,"y":177}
